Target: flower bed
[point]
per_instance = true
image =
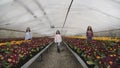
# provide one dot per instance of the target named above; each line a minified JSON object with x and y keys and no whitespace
{"x":115,"y":39}
{"x":97,"y":54}
{"x":16,"y":53}
{"x":3,"y":40}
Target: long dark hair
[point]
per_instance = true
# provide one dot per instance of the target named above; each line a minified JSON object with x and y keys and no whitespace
{"x":57,"y":32}
{"x":28,"y":29}
{"x":89,"y":28}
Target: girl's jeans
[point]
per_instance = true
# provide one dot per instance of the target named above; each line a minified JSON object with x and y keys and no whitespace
{"x":89,"y":38}
{"x":58,"y":47}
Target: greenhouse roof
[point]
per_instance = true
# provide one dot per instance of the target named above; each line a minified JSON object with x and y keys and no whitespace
{"x":71,"y":17}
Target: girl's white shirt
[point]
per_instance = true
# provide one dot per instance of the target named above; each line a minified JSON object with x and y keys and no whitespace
{"x":28,"y":35}
{"x":58,"y":38}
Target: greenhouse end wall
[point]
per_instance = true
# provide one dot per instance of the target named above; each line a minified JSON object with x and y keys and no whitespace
{"x":110,"y":33}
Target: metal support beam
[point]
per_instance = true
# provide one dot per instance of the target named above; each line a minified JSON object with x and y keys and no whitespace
{"x":22,"y":4}
{"x":67,"y":15}
{"x":41,"y":8}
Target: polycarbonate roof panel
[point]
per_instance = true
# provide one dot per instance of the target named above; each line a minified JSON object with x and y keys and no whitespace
{"x":46,"y":16}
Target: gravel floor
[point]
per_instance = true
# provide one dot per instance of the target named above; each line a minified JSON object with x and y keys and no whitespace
{"x":53,"y":59}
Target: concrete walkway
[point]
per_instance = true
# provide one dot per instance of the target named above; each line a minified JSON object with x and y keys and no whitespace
{"x":53,"y":59}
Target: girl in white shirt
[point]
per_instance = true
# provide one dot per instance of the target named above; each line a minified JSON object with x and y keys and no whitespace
{"x":58,"y":40}
{"x":28,"y":35}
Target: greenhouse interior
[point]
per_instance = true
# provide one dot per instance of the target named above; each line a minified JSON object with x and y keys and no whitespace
{"x":59,"y":33}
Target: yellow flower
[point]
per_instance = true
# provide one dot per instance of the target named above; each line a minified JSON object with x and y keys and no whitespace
{"x":110,"y":62}
{"x":0,"y":44}
{"x":108,"y":66}
{"x":100,"y":62}
{"x":88,"y":56}
{"x":114,"y":49}
{"x":98,"y":57}
{"x":111,"y":55}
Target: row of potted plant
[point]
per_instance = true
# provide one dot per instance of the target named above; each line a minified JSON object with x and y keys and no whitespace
{"x":16,"y":53}
{"x":3,"y":40}
{"x":115,"y":39}
{"x":97,"y":54}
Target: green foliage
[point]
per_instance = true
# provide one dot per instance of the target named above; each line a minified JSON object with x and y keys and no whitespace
{"x":103,"y":44}
{"x":83,"y":54}
{"x":75,"y":47}
{"x":21,"y":56}
{"x":6,"y":51}
{"x":89,"y":58}
{"x":33,"y":50}
{"x":78,"y":50}
{"x":5,"y":64}
{"x":37,"y":49}
{"x":96,"y":66}
{"x":105,"y":65}
{"x":71,"y":46}
{"x":8,"y":44}
{"x":102,"y":54}
{"x":119,"y":51}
